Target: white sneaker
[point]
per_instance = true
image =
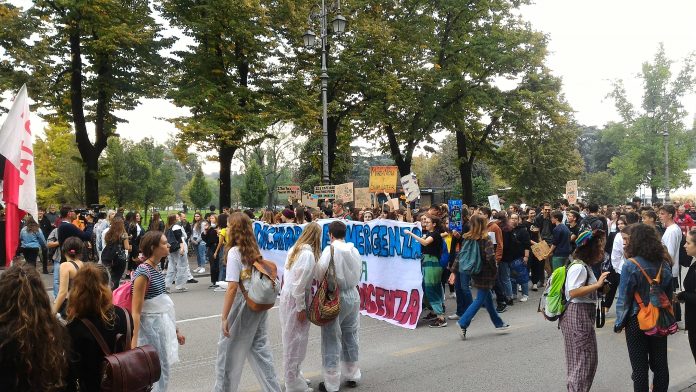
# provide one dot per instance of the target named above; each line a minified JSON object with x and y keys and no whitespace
{"x":524,"y":298}
{"x":453,"y":317}
{"x":219,"y":289}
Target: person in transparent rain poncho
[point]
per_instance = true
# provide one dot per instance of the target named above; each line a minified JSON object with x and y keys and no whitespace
{"x":294,"y":297}
{"x":244,"y":332}
{"x":154,"y":319}
{"x":339,"y":339}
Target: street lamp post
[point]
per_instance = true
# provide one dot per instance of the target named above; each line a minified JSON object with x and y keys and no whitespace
{"x":339,"y":25}
{"x":665,"y":134}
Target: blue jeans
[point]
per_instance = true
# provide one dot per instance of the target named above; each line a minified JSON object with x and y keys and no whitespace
{"x":56,"y":278}
{"x":223,"y":268}
{"x":483,"y":298}
{"x":200,"y":253}
{"x":461,"y":287}
{"x":504,"y":279}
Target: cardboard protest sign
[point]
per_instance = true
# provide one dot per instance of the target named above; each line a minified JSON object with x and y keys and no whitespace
{"x":410,"y":185}
{"x":383,"y":179}
{"x":310,"y":200}
{"x":455,"y":215}
{"x":572,"y":191}
{"x":363,"y":198}
{"x":290,"y":191}
{"x":390,"y":285}
{"x":325,"y":191}
{"x":344,"y":192}
{"x":494,"y":202}
{"x":393,"y":204}
{"x":541,"y":250}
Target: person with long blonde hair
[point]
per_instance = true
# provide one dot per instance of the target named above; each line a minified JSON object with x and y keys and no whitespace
{"x":294,"y":298}
{"x":244,"y":332}
{"x":91,"y":301}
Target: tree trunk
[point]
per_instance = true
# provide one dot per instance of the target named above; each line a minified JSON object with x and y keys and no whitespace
{"x":653,"y":190}
{"x":465,"y":165}
{"x":225,"y":157}
{"x":401,"y":161}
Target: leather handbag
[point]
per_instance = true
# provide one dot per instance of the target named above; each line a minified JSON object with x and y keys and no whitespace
{"x":133,"y":370}
{"x":326,"y":304}
{"x":263,"y":288}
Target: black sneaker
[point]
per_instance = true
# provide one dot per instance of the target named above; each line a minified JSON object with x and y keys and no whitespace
{"x":510,"y":302}
{"x":321,"y":387}
{"x":192,"y":281}
{"x":438,"y":323}
{"x":351,"y":384}
{"x":462,"y":333}
{"x":501,"y":308}
{"x":429,"y":317}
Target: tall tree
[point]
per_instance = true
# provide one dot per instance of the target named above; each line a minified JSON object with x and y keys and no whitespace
{"x":91,"y":59}
{"x":225,"y":76}
{"x":15,"y":32}
{"x":253,"y":192}
{"x":156,"y":180}
{"x":122,"y":170}
{"x":641,"y":158}
{"x":199,"y":193}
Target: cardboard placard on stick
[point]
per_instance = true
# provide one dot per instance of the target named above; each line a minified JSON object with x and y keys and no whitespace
{"x":494,"y":202}
{"x":310,"y":200}
{"x":383,"y":179}
{"x":344,"y":192}
{"x":410,"y":185}
{"x":325,"y":191}
{"x":363,"y":198}
{"x":572,"y":191}
{"x":292,"y":191}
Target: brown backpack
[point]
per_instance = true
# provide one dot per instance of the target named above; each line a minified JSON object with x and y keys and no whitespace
{"x":130,"y":370}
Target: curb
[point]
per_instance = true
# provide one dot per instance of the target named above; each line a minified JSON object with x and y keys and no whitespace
{"x":685,"y":386}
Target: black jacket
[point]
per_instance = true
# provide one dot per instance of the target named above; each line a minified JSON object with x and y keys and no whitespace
{"x":689,"y":298}
{"x":516,"y":242}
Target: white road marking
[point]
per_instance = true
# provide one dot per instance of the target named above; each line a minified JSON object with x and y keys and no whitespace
{"x":207,"y":317}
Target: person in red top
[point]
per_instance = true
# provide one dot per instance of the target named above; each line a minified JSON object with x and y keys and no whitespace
{"x":684,"y":220}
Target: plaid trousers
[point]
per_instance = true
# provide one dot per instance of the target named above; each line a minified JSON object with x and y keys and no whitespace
{"x":577,"y":326}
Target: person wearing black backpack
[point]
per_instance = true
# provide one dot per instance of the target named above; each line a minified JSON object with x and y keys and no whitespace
{"x":645,"y":352}
{"x":116,"y":249}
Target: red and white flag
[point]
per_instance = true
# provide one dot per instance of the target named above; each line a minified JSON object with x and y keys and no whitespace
{"x":19,"y":181}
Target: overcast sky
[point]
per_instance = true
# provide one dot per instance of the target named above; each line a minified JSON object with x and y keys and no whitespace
{"x":592,"y":42}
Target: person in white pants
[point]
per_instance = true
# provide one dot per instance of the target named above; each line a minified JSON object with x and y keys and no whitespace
{"x":294,"y":297}
{"x":178,"y":269}
{"x":339,"y":339}
{"x":244,"y":332}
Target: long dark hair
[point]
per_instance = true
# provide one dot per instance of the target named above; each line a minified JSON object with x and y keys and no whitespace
{"x":30,"y":335}
{"x":645,"y":243}
{"x":155,"y":222}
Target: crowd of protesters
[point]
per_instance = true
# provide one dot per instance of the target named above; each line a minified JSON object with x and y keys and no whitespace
{"x":606,"y":250}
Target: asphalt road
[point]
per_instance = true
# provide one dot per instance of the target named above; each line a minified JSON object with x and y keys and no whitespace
{"x":528,"y":357}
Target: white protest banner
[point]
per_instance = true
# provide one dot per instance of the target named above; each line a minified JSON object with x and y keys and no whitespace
{"x":494,"y":202}
{"x":410,"y":185}
{"x":289,"y":191}
{"x":363,"y":198}
{"x":325,"y":191}
{"x":572,"y":191}
{"x":344,"y":192}
{"x":391,"y":281}
{"x":310,"y":200}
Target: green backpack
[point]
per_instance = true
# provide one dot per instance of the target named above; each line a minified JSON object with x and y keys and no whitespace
{"x":553,"y":303}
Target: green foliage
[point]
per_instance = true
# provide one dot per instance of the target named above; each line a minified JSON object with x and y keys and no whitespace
{"x":199,"y":193}
{"x":598,"y":188}
{"x":253,"y":193}
{"x":539,"y":155}
{"x":122,"y":170}
{"x":641,"y":157}
{"x":59,"y":170}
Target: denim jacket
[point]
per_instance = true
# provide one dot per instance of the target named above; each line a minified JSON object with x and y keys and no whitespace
{"x":632,"y":280}
{"x":32,"y":240}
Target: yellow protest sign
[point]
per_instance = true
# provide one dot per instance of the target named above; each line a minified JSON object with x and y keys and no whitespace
{"x":383,"y":179}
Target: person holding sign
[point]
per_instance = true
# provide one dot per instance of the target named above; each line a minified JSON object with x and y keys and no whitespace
{"x":299,"y":271}
{"x":431,"y":248}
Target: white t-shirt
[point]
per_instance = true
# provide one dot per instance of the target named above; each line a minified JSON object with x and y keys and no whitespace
{"x":617,"y":253}
{"x":576,"y":276}
{"x":671,"y":240}
{"x":234,"y":265}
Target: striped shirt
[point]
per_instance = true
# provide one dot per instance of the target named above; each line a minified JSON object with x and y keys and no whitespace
{"x":156,"y":286}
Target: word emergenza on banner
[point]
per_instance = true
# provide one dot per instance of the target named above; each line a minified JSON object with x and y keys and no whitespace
{"x":391,"y":280}
{"x":344,"y":192}
{"x":289,"y":191}
{"x":325,"y":191}
{"x":383,"y":179}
